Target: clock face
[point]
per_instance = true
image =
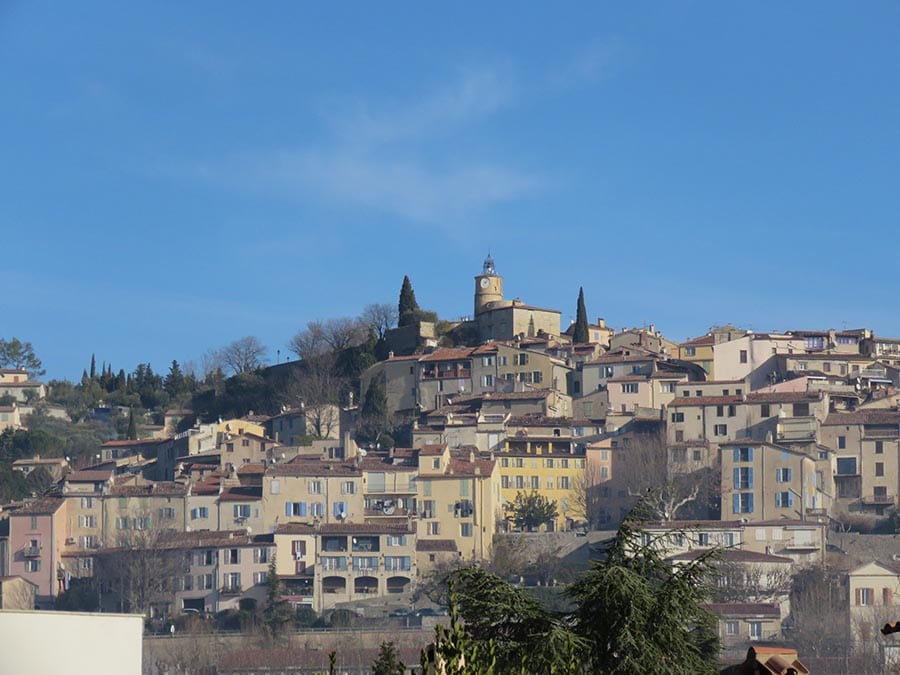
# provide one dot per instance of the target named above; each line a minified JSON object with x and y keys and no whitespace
{"x":485,"y":282}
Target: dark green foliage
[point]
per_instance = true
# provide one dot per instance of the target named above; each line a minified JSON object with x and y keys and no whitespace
{"x":93,"y":372}
{"x":531,"y":510}
{"x":17,"y":354}
{"x":131,"y":434}
{"x":278,"y":612}
{"x":581,"y":334}
{"x":639,"y":613}
{"x":374,"y":420}
{"x":82,"y":596}
{"x":388,"y":661}
{"x":174,"y":384}
{"x":407,"y":308}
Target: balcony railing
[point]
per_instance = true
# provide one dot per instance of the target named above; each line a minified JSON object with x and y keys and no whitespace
{"x":32,"y":551}
{"x":879,"y":500}
{"x":231,"y":590}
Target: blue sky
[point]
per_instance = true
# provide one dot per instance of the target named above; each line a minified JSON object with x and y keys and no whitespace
{"x":178,"y":175}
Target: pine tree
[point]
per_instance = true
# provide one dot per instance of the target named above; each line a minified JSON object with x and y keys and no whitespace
{"x":407,"y":309}
{"x":388,"y":662}
{"x":581,"y":334}
{"x":278,"y":611}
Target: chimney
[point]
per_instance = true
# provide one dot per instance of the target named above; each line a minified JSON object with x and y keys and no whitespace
{"x":390,"y":355}
{"x":601,"y":322}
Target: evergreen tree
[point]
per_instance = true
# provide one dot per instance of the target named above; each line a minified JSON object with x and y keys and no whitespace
{"x":174,"y":382}
{"x":132,"y":426}
{"x":93,"y":373}
{"x":529,"y":511}
{"x":407,"y":309}
{"x":374,"y":419}
{"x":20,"y":355}
{"x":278,"y":611}
{"x":581,"y":334}
{"x":388,"y":662}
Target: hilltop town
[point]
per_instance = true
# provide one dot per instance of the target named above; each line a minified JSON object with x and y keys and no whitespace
{"x":392,"y":450}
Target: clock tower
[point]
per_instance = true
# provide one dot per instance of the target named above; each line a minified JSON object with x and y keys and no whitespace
{"x":488,"y":286}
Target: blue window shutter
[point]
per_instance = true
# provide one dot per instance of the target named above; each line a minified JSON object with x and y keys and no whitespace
{"x":237,"y":513}
{"x":787,"y":476}
{"x":750,"y":503}
{"x":790,"y":496}
{"x":337,"y":509}
{"x":288,"y":509}
{"x":737,"y":503}
{"x":777,"y":499}
{"x":737,"y":454}
{"x":750,"y":478}
{"x":749,"y":454}
{"x":737,"y":478}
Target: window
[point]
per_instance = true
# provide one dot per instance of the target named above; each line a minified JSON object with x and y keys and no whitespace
{"x":604,"y":472}
{"x":630,"y":388}
{"x":505,"y":482}
{"x":34,"y":522}
{"x":275,"y":487}
{"x":348,"y":487}
{"x":315,"y":487}
{"x":241,"y":511}
{"x":731,"y":627}
{"x":690,"y":351}
{"x":89,"y":541}
{"x":261,"y":555}
{"x":720,"y":430}
{"x":487,"y":380}
{"x":233,"y":581}
{"x":535,"y":482}
{"x":87,"y":521}
{"x":520,"y":463}
{"x":365,"y":562}
{"x":428,"y":508}
{"x":200,"y":512}
{"x":846,"y":466}
{"x":186,"y":583}
{"x":504,"y":462}
{"x":207,"y":557}
{"x":732,"y":411}
{"x":842,"y":442}
{"x":668,"y":387}
{"x":727,"y":538}
{"x":679,"y":455}
{"x":755,"y":630}
{"x":879,"y":447}
{"x":720,"y":411}
{"x":232,"y":556}
{"x":563,"y":483}
{"x":743,"y":356}
{"x":522,"y":360}
{"x":520,"y":482}
{"x":743,"y":454}
{"x":339,"y":510}
{"x":167,"y":513}
{"x":678,"y":417}
{"x":204,"y":582}
{"x":826,"y":367}
{"x":784,"y":499}
{"x":879,"y":468}
{"x":398,"y":563}
{"x":396,"y":540}
{"x":260,"y":578}
{"x":537,"y":377}
{"x":743,"y":502}
{"x":764,"y":410}
{"x":679,"y":436}
{"x":436,"y":464}
{"x":801,"y":409}
{"x":743,"y":478}
{"x":465,"y":529}
{"x":549,"y":463}
{"x":32,"y":565}
{"x":697,"y":455}
{"x":782,"y":475}
{"x":87,"y":502}
{"x":434,"y":528}
{"x":703,"y":539}
{"x":865,"y":597}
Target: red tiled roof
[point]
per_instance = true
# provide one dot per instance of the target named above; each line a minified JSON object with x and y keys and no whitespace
{"x":448,"y":354}
{"x":535,"y":395}
{"x":879,"y":417}
{"x":89,"y":476}
{"x":162,"y":488}
{"x":42,"y":507}
{"x":783,"y":397}
{"x":252,"y":469}
{"x":125,"y":444}
{"x":699,"y":341}
{"x":303,"y":466}
{"x":241,"y":493}
{"x":381,"y":527}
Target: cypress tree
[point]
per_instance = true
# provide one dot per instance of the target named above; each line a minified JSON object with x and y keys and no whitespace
{"x":93,"y":367}
{"x":581,"y":334}
{"x":132,"y":427}
{"x":407,"y":308}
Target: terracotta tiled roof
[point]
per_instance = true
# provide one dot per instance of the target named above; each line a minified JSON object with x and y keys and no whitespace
{"x":431,"y":450}
{"x":880,"y":417}
{"x":126,"y":444}
{"x":303,"y":466}
{"x":251,"y":469}
{"x":436,"y":545}
{"x":535,"y":395}
{"x":783,"y":397}
{"x":619,"y":358}
{"x":448,"y":354}
{"x":89,"y":476}
{"x":295,"y":528}
{"x":381,"y":527}
{"x":241,"y":493}
{"x":703,"y":340}
{"x":684,"y":401}
{"x":162,"y":488}
{"x":744,"y":609}
{"x":736,"y":556}
{"x":42,"y":507}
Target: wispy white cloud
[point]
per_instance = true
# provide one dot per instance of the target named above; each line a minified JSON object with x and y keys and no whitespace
{"x":591,"y":63}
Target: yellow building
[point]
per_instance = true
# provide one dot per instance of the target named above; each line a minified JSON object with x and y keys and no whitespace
{"x":543,"y":458}
{"x":699,"y":351}
{"x":458,"y":503}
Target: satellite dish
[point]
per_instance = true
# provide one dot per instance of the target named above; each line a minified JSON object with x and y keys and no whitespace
{"x":342,"y":515}
{"x":389,"y":509}
{"x":362,"y":452}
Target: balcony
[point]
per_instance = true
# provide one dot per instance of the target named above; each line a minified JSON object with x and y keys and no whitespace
{"x":797,"y":428}
{"x":231,"y":590}
{"x":31,"y":551}
{"x":878,"y":500}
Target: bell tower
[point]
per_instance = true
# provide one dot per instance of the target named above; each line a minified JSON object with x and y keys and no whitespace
{"x":488,"y":286}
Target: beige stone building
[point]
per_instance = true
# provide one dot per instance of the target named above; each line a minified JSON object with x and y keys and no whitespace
{"x":762,"y":481}
{"x":130,"y":508}
{"x":458,"y":500}
{"x":16,"y":383}
{"x":873,"y":593}
{"x":754,"y":357}
{"x":866,"y":451}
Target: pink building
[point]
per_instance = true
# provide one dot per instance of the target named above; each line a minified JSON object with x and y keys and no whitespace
{"x":37,"y":533}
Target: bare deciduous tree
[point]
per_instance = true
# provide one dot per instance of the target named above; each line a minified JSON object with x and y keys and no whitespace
{"x":243,"y":355}
{"x":380,"y":317}
{"x":586,"y":499}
